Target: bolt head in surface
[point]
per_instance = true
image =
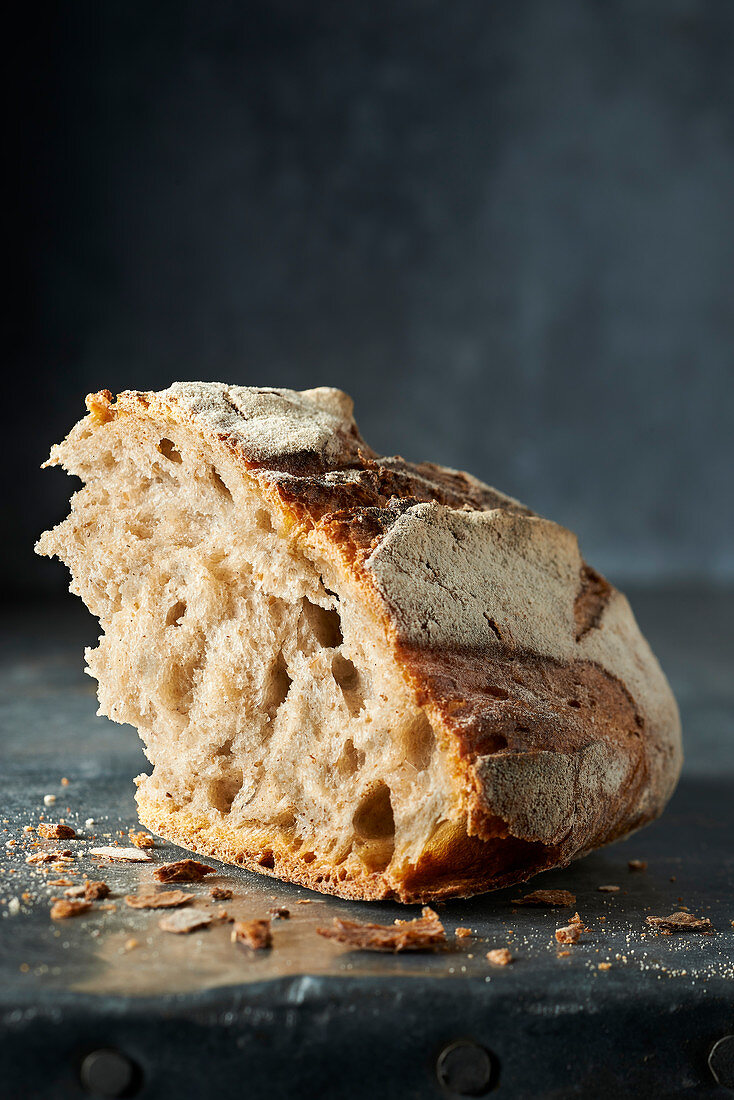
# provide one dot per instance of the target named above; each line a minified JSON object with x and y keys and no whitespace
{"x":465,"y":1068}
{"x":108,"y":1073}
{"x":721,"y":1062}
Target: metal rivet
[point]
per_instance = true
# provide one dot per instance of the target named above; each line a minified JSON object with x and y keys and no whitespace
{"x":721,"y":1062}
{"x":109,"y":1073}
{"x":465,"y":1069}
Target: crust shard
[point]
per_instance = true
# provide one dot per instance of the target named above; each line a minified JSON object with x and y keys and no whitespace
{"x":377,"y":678}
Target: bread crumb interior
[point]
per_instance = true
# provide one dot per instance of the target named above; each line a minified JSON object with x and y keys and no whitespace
{"x":262,"y":689}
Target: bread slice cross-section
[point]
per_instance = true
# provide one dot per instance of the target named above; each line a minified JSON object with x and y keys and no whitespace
{"x":374,"y":678}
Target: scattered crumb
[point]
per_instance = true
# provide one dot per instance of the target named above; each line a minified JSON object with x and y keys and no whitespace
{"x":65,"y":908}
{"x":14,"y":906}
{"x":604,"y":966}
{"x":142,"y":840}
{"x":672,"y":878}
{"x":123,"y":855}
{"x":163,"y":899}
{"x":279,"y":912}
{"x":221,"y":893}
{"x":64,"y":782}
{"x":60,"y":882}
{"x":570,"y":933}
{"x":681,"y":922}
{"x":184,"y":921}
{"x":462,"y":933}
{"x":51,"y":831}
{"x":96,"y":891}
{"x":637,"y":864}
{"x":499,"y":956}
{"x":29,"y":829}
{"x":131,"y":944}
{"x":75,"y":892}
{"x":49,"y":799}
{"x":550,"y":898}
{"x":50,"y":857}
{"x":562,"y":954}
{"x":89,"y":822}
{"x":424,"y":932}
{"x":254,"y":934}
{"x":608,"y":889}
{"x":183,"y":870}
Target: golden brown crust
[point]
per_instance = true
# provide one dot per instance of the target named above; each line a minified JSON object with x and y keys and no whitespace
{"x":559,"y":726}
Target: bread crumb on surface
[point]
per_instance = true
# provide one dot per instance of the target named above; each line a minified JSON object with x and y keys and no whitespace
{"x":142,"y":840}
{"x":50,"y":830}
{"x":50,"y":857}
{"x":184,"y":921}
{"x":69,"y":907}
{"x":183,"y":870}
{"x":608,"y":889}
{"x":64,"y":782}
{"x":221,"y":893}
{"x":499,"y":956}
{"x":570,"y":933}
{"x":604,"y":966}
{"x":279,"y":912}
{"x":254,"y":934}
{"x":551,"y":898}
{"x":122,"y":855}
{"x":96,"y":890}
{"x":131,"y":944}
{"x":49,"y":799}
{"x":424,"y":933}
{"x":162,"y":899}
{"x":14,"y":906}
{"x":681,"y":922}
{"x":462,"y":933}
{"x":637,"y":864}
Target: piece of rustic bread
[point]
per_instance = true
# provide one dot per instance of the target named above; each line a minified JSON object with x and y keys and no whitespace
{"x":378,"y":679}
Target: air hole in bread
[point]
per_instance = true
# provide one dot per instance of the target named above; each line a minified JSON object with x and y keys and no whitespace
{"x":420,"y":743}
{"x":574,"y":703}
{"x":496,"y":692}
{"x":220,"y":485}
{"x":168,"y":449}
{"x":222,"y":792}
{"x":373,"y":819}
{"x":176,"y":613}
{"x":374,"y":825}
{"x":348,"y":679}
{"x":325,"y":624}
{"x":279,"y":685}
{"x":350,"y":759}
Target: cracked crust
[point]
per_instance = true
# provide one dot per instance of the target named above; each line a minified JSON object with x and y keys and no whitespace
{"x":560,"y":728}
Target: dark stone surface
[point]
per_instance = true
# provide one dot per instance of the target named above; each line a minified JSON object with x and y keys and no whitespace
{"x":194,"y":1013}
{"x":503,"y":225}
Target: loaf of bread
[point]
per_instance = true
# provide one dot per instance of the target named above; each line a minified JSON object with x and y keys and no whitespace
{"x":374,"y":678}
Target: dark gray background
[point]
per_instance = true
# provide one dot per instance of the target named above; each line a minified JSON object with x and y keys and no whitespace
{"x":505,"y":227}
